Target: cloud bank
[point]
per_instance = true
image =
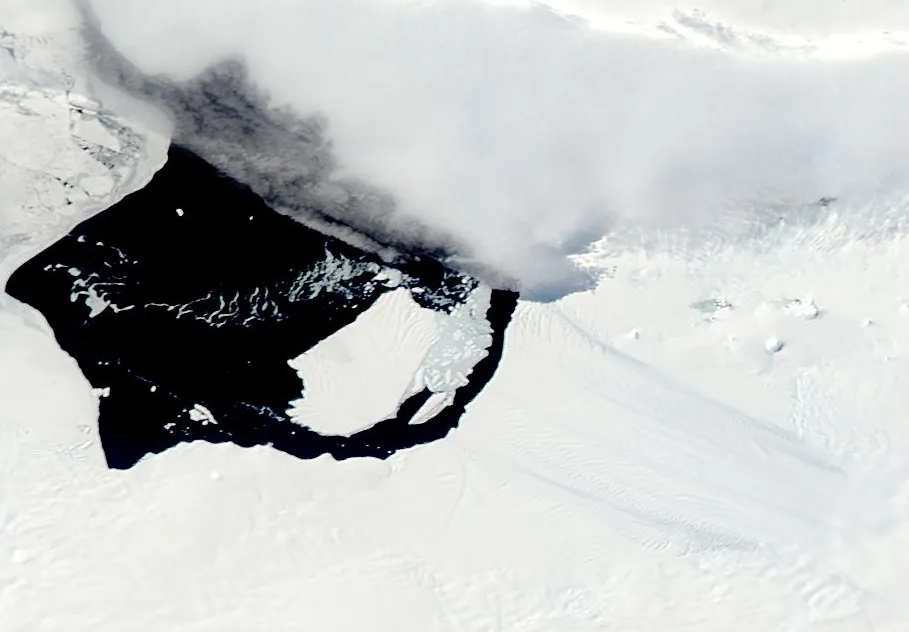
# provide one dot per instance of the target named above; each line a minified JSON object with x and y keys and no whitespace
{"x":523,"y":135}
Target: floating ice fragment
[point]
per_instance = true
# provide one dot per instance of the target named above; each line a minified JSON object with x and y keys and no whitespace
{"x":201,"y":413}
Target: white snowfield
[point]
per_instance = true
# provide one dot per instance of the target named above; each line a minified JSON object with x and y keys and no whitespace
{"x":712,"y":439}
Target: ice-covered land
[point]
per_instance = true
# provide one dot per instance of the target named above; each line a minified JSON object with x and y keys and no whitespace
{"x":713,"y":438}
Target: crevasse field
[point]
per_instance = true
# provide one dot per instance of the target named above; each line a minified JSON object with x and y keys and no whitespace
{"x":699,"y":421}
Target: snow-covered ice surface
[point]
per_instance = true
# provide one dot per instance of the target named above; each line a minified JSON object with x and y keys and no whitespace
{"x":640,"y":461}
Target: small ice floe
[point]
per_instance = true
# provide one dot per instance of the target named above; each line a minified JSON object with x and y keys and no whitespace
{"x":773,"y":344}
{"x":201,"y":413}
{"x":93,"y":301}
{"x":101,"y":392}
{"x":179,"y":212}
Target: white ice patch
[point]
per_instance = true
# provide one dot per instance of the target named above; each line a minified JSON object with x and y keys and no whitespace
{"x":93,"y":296}
{"x":804,"y":309}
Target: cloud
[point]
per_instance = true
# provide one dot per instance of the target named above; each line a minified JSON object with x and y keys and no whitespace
{"x":523,"y":135}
